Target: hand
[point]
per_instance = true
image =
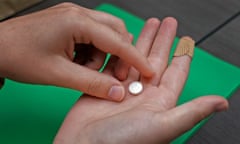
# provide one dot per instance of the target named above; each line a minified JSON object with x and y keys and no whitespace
{"x":39,"y":48}
{"x":150,"y":117}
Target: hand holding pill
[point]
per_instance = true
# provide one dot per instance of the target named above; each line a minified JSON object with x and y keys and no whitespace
{"x":65,"y":46}
{"x":148,"y":114}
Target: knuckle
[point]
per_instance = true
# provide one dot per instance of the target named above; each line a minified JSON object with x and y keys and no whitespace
{"x":199,"y":113}
{"x":70,"y":9}
{"x":117,"y":22}
{"x":72,"y":16}
{"x":67,"y":4}
{"x":120,"y":22}
{"x":94,"y":85}
{"x":120,"y":26}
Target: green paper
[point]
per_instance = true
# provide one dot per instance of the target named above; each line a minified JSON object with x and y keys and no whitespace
{"x":208,"y":74}
{"x":33,"y":113}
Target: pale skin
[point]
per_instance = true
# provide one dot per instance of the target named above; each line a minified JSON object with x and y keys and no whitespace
{"x":151,"y":117}
{"x":38,"y":48}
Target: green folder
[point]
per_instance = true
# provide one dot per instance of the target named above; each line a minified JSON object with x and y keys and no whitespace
{"x":33,"y":113}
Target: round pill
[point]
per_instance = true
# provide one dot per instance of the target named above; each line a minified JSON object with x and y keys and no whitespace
{"x":135,"y":87}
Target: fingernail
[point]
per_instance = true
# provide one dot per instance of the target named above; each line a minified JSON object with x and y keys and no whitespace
{"x":116,"y":93}
{"x":130,"y":36}
{"x":222,"y":107}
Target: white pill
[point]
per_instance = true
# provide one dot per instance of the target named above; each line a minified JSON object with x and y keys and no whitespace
{"x":135,"y":87}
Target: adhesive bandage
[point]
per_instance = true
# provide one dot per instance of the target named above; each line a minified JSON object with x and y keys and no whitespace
{"x":185,"y":47}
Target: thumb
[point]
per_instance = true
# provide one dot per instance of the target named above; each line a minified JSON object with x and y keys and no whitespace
{"x":71,"y":75}
{"x":184,"y":117}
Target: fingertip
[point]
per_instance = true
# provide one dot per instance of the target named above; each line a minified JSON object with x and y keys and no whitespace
{"x":192,"y":112}
{"x":146,"y":69}
{"x":170,"y":20}
{"x":121,"y":75}
{"x":222,"y":106}
{"x":221,"y":103}
{"x":153,"y":20}
{"x":116,"y":93}
{"x":121,"y":70}
{"x":131,"y":37}
{"x":214,"y":102}
{"x":150,"y":72}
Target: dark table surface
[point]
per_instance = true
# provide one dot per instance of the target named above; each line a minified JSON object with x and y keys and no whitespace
{"x":214,"y":24}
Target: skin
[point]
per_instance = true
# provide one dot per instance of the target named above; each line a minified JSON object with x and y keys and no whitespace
{"x":152,"y":116}
{"x":39,"y":48}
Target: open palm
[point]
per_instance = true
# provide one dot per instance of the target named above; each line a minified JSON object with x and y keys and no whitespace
{"x":150,"y":117}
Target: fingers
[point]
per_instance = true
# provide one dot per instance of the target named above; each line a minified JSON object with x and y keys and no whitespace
{"x":175,"y":75}
{"x":184,"y":117}
{"x":107,"y":40}
{"x":147,"y":36}
{"x":121,"y":68}
{"x":102,"y":33}
{"x":159,"y":54}
{"x":143,"y":45}
{"x":67,"y":74}
{"x":101,"y":17}
{"x":109,"y":69}
{"x":145,"y":41}
{"x":96,"y":62}
{"x":89,"y":56}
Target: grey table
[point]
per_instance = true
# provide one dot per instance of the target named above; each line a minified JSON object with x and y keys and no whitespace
{"x":214,"y":24}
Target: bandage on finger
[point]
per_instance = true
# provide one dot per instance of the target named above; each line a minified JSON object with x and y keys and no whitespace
{"x":185,"y":47}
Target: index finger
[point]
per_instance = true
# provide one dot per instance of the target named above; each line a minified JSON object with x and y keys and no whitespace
{"x":110,"y":41}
